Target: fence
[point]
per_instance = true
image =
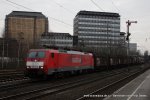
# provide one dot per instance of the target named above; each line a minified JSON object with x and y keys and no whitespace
{"x":12,"y":63}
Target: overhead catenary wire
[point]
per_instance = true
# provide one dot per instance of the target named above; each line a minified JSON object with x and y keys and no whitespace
{"x":68,"y":10}
{"x":118,"y":9}
{"x":115,"y":5}
{"x":60,"y":21}
{"x":96,"y":5}
{"x":35,"y":11}
{"x":104,"y":10}
{"x":10,"y":4}
{"x":20,"y":5}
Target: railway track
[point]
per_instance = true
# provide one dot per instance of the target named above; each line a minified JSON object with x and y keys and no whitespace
{"x":12,"y":79}
{"x":37,"y":93}
{"x":100,"y":93}
{"x":8,"y":72}
{"x":6,"y":86}
{"x":10,"y":75}
{"x":73,"y":92}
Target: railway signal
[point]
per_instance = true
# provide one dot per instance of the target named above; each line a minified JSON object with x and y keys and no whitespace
{"x":128,"y":34}
{"x":129,"y":24}
{"x":127,"y":38}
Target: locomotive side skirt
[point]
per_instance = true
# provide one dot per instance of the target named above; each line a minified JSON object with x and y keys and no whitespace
{"x":51,"y":71}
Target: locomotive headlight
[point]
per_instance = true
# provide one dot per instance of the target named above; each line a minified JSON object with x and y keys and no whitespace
{"x":41,"y":67}
{"x":28,"y":66}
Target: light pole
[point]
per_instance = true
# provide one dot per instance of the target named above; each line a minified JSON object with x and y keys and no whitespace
{"x":7,"y":55}
{"x":108,"y":44}
{"x":20,"y":37}
{"x":3,"y":53}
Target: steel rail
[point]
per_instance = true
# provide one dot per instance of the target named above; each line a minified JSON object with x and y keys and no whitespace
{"x":57,"y":88}
{"x":109,"y":85}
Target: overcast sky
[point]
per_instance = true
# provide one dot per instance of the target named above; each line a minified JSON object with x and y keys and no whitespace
{"x":62,"y":12}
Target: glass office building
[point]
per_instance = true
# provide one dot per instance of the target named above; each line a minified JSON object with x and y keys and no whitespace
{"x":97,"y":29}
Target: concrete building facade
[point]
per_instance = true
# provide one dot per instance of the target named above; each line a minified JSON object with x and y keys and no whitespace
{"x":25,"y":26}
{"x":58,"y":40}
{"x":133,"y":47}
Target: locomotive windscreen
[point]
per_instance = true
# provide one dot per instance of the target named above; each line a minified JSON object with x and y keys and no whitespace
{"x":36,"y":54}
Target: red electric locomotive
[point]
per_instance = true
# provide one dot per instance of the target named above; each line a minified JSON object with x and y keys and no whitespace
{"x":48,"y":61}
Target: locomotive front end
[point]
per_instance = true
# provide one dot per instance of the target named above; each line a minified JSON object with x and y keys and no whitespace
{"x":35,"y":63}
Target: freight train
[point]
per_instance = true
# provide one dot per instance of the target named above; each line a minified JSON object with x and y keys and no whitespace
{"x":44,"y":62}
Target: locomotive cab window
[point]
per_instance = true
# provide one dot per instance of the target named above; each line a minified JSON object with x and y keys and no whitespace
{"x":41,"y":54}
{"x":35,"y":54}
{"x":52,"y":55}
{"x":32,"y":54}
